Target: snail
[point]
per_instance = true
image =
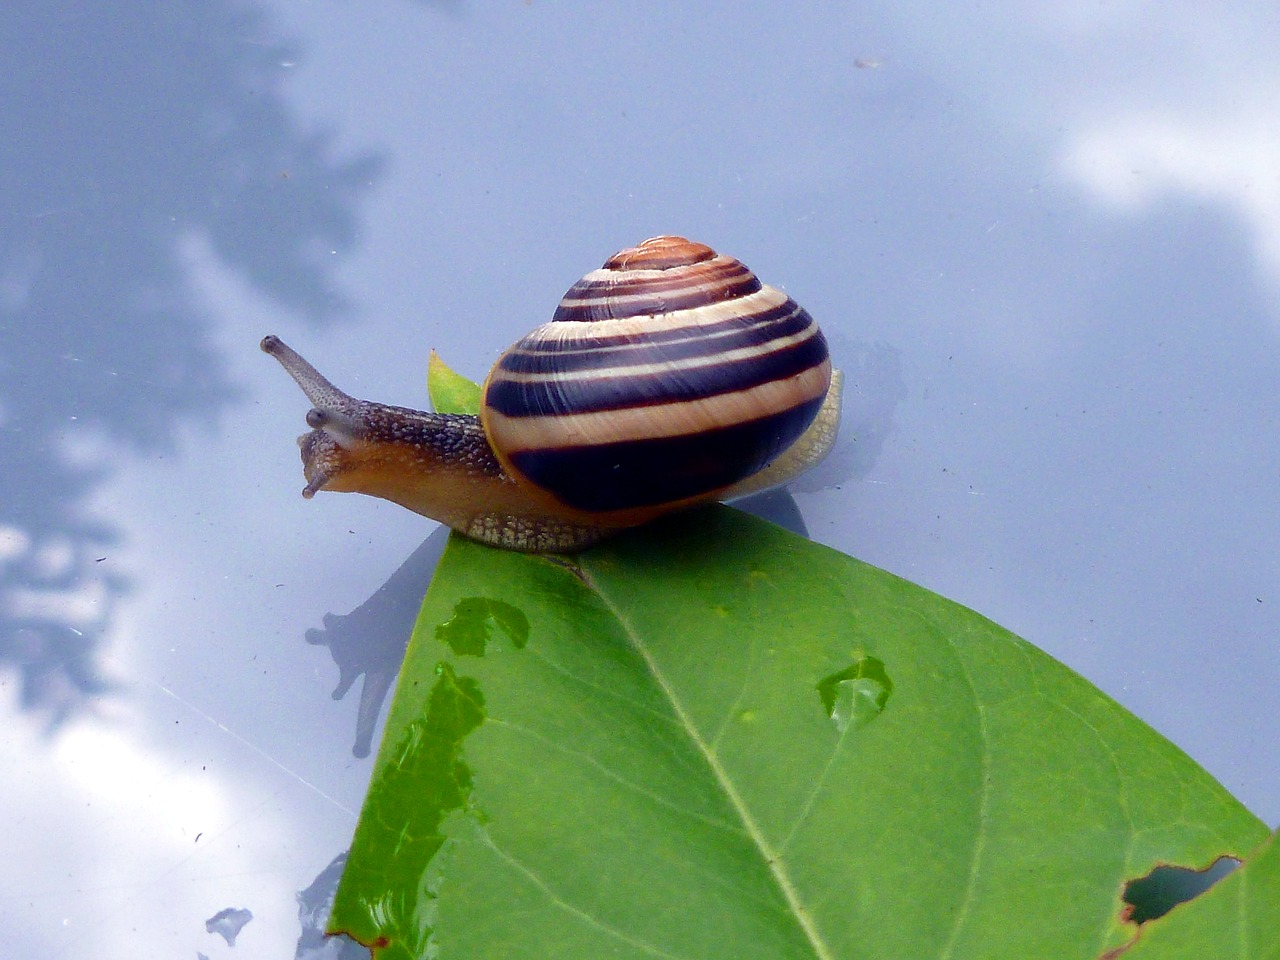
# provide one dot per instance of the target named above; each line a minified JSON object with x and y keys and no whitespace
{"x":668,"y":378}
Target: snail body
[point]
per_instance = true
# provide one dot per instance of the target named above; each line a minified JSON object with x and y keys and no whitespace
{"x":669,"y":377}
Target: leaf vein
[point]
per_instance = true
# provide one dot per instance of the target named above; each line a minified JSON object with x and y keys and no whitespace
{"x":807,"y":807}
{"x":734,"y":707}
{"x":603,"y":690}
{"x":577,"y":912}
{"x":618,"y":778}
{"x":980,"y":837}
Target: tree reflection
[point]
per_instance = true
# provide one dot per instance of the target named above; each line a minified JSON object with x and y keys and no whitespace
{"x":129,"y":127}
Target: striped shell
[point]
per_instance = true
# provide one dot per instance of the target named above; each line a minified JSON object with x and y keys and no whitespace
{"x":666,"y":376}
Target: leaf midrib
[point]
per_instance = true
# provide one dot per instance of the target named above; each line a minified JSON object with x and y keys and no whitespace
{"x":773,"y":859}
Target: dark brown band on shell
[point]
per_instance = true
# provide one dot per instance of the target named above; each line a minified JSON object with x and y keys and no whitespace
{"x":642,"y":473}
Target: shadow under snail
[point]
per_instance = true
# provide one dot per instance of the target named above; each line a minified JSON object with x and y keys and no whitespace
{"x":668,"y":378}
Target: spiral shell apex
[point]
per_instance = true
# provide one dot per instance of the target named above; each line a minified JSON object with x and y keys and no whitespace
{"x":665,"y":376}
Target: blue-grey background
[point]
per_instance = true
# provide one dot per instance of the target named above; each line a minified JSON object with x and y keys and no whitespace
{"x":1045,"y":243}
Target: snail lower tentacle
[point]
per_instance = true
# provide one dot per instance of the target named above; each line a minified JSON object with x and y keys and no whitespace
{"x":321,"y":461}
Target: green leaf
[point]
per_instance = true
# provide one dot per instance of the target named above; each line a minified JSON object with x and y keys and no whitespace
{"x":450,"y":392}
{"x":1236,"y":919}
{"x":711,"y":738}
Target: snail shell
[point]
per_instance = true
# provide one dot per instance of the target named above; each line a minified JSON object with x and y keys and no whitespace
{"x":669,"y":373}
{"x":669,"y":377}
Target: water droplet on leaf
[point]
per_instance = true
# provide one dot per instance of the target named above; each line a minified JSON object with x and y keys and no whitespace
{"x":857,"y":694}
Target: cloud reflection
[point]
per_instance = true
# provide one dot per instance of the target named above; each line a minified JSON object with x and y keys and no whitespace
{"x":1132,"y":164}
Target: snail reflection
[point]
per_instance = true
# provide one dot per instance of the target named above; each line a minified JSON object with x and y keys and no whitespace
{"x":668,"y":378}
